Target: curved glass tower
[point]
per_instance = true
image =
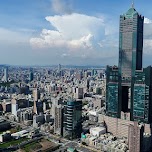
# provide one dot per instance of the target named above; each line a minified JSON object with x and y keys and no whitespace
{"x":73,"y":114}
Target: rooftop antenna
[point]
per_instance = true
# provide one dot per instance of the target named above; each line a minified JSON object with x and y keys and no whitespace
{"x":132,"y":3}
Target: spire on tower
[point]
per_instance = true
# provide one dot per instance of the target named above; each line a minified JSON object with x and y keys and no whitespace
{"x":132,"y":3}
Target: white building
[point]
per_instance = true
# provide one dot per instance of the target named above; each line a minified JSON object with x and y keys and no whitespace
{"x":97,"y":131}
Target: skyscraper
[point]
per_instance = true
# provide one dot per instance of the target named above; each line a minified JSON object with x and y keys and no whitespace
{"x":31,"y":75}
{"x":72,"y":119}
{"x":58,"y":119}
{"x":5,"y":78}
{"x":130,"y":43}
{"x":129,"y":85}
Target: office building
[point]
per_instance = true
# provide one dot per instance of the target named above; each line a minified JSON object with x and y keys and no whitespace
{"x":136,"y":137}
{"x":78,"y":92}
{"x":5,"y":136}
{"x":38,"y":107}
{"x":19,"y":104}
{"x":58,"y":119}
{"x":4,"y":125}
{"x":72,"y":119}
{"x":31,"y":75}
{"x":5,"y":77}
{"x":59,"y":67}
{"x":36,"y":94}
{"x":129,"y":85}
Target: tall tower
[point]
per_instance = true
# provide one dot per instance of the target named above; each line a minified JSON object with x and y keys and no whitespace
{"x":59,"y":67}
{"x":31,"y":76}
{"x":5,"y":74}
{"x":130,"y":57}
{"x":130,"y":43}
{"x":73,"y":119}
{"x":128,"y":87}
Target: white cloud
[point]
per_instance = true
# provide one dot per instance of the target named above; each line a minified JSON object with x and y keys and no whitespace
{"x":147,"y":21}
{"x":147,"y":36}
{"x":62,"y":7}
{"x":148,"y":46}
{"x":73,"y":32}
{"x":147,"y":28}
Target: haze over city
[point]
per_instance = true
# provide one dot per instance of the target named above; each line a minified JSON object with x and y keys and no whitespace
{"x":77,"y":32}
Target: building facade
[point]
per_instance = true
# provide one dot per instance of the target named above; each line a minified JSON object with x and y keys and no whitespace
{"x":129,"y":86}
{"x":5,"y":78}
{"x":73,"y":119}
{"x":58,"y":120}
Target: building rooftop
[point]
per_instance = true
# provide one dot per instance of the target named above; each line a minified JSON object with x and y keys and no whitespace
{"x":131,"y":12}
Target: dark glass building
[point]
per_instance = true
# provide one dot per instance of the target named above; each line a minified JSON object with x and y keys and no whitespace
{"x":73,"y":119}
{"x":129,"y":86}
{"x":130,"y":43}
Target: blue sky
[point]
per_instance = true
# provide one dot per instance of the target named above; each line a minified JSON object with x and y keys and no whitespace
{"x":80,"y":32}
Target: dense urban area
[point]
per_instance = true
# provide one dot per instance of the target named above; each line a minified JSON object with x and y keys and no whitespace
{"x":51,"y":106}
{"x":80,"y":109}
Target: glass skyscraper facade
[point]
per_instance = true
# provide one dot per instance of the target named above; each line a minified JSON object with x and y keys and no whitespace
{"x":73,"y":119}
{"x":130,"y":43}
{"x":112,"y":103}
{"x":129,"y":85}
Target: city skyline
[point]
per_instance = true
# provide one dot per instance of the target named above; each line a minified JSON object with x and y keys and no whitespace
{"x":47,"y":33}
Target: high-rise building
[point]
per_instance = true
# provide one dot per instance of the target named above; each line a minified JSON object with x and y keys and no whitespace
{"x":31,"y":75}
{"x":60,"y":71}
{"x":128,"y":87}
{"x":135,"y":137}
{"x":58,"y":119}
{"x":130,"y":43}
{"x":38,"y":107}
{"x":5,"y":78}
{"x":72,"y":119}
{"x":78,"y":92}
{"x":36,"y":94}
{"x":18,"y":104}
{"x":59,"y":67}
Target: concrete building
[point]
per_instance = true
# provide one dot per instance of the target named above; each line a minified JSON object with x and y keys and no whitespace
{"x":58,"y":120}
{"x":6,"y":136}
{"x":38,"y":107}
{"x":97,"y":131}
{"x":6,"y":105}
{"x":5,"y":76}
{"x":20,"y":134}
{"x":136,"y":138}
{"x":98,"y":102}
{"x":4,"y":125}
{"x":124,"y":128}
{"x":78,"y":93}
{"x":19,"y":104}
{"x":25,"y":114}
{"x":36,"y":94}
{"x":38,"y":120}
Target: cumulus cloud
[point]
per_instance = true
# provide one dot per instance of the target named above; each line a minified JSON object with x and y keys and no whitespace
{"x":147,"y":28}
{"x":147,"y":21}
{"x":78,"y":37}
{"x":147,"y":36}
{"x":84,"y":37}
{"x":75,"y":33}
{"x":62,"y":7}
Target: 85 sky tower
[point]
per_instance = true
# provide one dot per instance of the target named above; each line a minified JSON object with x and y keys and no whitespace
{"x":129,"y":86}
